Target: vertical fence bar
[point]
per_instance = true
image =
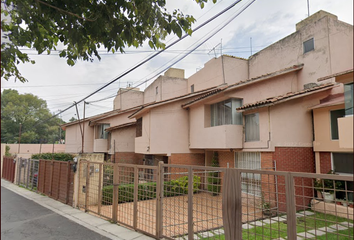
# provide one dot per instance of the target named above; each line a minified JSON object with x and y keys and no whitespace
{"x":28,"y":171}
{"x":87,"y":185}
{"x":67,"y":189}
{"x":136,"y":190}
{"x":190,"y":204}
{"x":115,"y":192}
{"x":51,"y":178}
{"x":159,"y":195}
{"x":290,"y":206}
{"x":58,"y":192}
{"x":238,"y":194}
{"x":19,"y":171}
{"x":100,"y":188}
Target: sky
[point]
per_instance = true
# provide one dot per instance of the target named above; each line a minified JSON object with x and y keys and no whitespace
{"x":263,"y":23}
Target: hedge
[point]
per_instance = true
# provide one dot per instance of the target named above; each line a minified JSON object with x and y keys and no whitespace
{"x":55,"y":156}
{"x":147,"y":191}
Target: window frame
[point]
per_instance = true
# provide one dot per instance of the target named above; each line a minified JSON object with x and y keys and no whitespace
{"x":234,"y":118}
{"x":336,"y":123}
{"x":305,"y":43}
{"x":139,"y":127}
{"x":258,"y":129}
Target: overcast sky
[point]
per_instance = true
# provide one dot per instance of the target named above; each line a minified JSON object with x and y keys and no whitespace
{"x":265,"y":21}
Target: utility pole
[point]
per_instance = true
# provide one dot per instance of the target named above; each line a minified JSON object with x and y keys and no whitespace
{"x":83,"y":127}
{"x":19,"y":138}
{"x":78,"y":116}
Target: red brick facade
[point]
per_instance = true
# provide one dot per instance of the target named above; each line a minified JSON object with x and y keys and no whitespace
{"x":226,"y":157}
{"x":187,"y":159}
{"x":325,"y":162}
{"x":128,"y":157}
{"x":295,"y":159}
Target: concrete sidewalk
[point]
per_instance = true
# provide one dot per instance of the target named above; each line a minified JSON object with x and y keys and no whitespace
{"x":96,"y":224}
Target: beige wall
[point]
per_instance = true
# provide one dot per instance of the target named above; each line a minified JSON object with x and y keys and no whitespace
{"x":73,"y":138}
{"x":333,"y":52}
{"x":26,"y":150}
{"x":124,"y":140}
{"x":128,"y":98}
{"x":225,"y":69}
{"x":322,"y":123}
{"x":168,"y":87}
{"x":345,"y":131}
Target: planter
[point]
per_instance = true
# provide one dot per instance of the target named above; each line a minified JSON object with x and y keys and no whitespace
{"x":338,"y":203}
{"x":351,"y":205}
{"x":328,"y":197}
{"x":345,"y":204}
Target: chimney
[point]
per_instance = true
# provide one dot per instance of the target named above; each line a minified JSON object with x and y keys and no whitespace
{"x":314,"y":17}
{"x":175,"y":73}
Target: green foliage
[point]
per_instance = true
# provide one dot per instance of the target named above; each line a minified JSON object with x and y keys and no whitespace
{"x":26,"y":110}
{"x":83,"y":27}
{"x":55,"y":156}
{"x":7,"y":151}
{"x":328,"y":185}
{"x":147,"y":191}
{"x":214,"y":180}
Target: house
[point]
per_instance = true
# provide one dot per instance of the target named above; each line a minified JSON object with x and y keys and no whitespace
{"x":257,"y":113}
{"x":333,"y":126}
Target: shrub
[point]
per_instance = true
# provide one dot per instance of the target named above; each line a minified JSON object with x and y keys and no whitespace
{"x":54,"y":156}
{"x":214,"y":177}
{"x":7,"y":151}
{"x":147,"y":191}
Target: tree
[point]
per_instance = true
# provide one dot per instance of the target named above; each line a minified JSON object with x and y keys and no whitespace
{"x":30,"y":112}
{"x":84,"y":26}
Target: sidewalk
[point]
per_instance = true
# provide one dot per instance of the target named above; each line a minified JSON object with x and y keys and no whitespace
{"x":96,"y":224}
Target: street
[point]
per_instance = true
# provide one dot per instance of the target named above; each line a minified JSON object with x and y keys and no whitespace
{"x":22,"y":218}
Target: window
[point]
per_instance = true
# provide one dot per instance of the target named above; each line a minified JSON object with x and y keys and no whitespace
{"x":348,"y":98}
{"x":252,"y":127}
{"x":139,"y":127}
{"x":309,"y":45}
{"x":192,"y":88}
{"x":342,"y":163}
{"x":157,"y":90}
{"x":224,"y":113}
{"x":334,"y":123}
{"x":101,"y":133}
{"x":250,"y":182}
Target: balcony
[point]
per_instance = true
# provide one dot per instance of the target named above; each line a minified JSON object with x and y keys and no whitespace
{"x":218,"y":137}
{"x":345,"y":132}
{"x":100,"y":145}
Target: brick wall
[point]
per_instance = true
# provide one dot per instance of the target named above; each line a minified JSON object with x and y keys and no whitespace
{"x":295,"y":159}
{"x":187,"y":159}
{"x":128,"y":157}
{"x":325,"y":162}
{"x":268,"y":181}
{"x":227,"y":157}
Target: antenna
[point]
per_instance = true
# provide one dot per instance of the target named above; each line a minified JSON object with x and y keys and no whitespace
{"x":213,"y":50}
{"x":308,"y":8}
{"x":251,"y":44}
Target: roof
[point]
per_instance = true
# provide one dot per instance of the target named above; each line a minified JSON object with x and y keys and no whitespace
{"x":348,"y":73}
{"x":120,"y":126}
{"x":155,"y":104}
{"x":331,"y":100}
{"x":285,"y":97}
{"x":247,"y":82}
{"x":100,"y":116}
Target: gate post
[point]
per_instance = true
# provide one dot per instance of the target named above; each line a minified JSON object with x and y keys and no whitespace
{"x":100,"y":188}
{"x":290,"y":203}
{"x":136,"y":190}
{"x":28,"y":171}
{"x":115,"y":192}
{"x":87,"y":187}
{"x":190,"y":204}
{"x":159,"y":196}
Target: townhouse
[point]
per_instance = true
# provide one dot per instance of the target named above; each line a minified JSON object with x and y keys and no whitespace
{"x":275,"y":110}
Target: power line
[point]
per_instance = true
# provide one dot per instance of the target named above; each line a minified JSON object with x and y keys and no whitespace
{"x":148,"y":59}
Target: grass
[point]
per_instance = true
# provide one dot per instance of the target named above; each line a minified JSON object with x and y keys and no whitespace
{"x":279,"y":229}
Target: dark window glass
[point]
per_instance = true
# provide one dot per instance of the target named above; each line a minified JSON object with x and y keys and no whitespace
{"x":343,"y":162}
{"x":139,"y":127}
{"x":334,"y":123}
{"x":309,"y":45}
{"x":348,"y":98}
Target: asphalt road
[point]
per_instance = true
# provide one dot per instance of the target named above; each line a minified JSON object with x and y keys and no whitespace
{"x":22,"y":218}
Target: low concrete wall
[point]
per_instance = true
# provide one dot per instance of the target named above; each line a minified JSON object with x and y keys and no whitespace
{"x":332,"y":209}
